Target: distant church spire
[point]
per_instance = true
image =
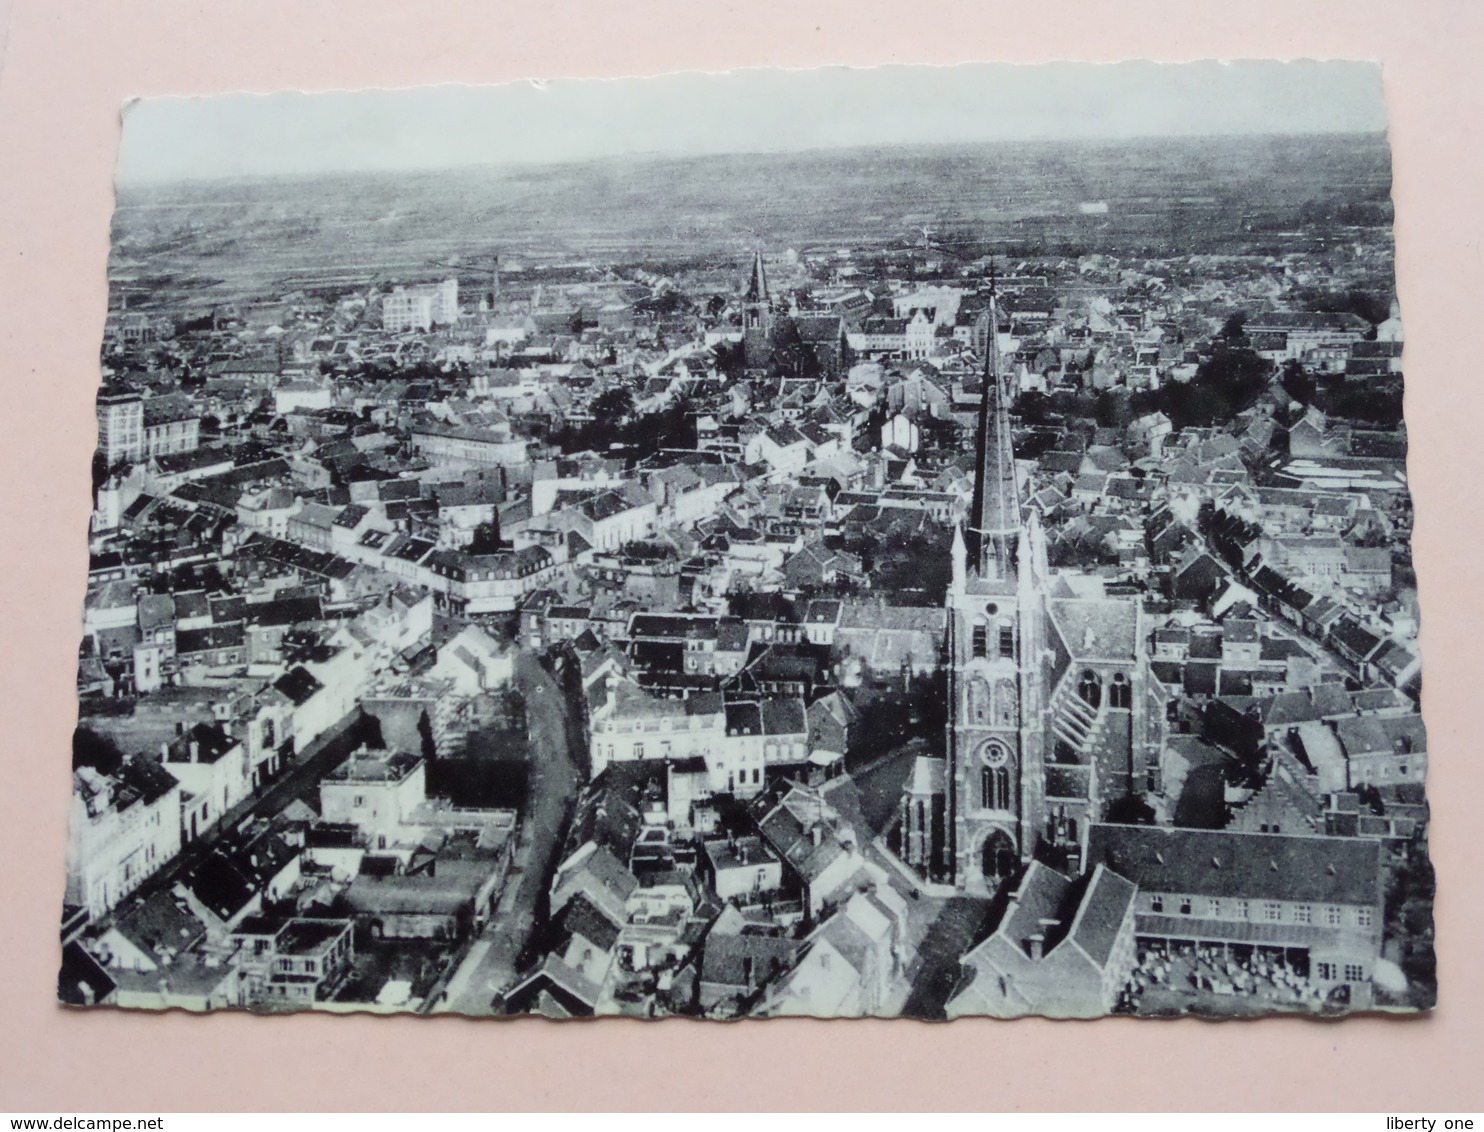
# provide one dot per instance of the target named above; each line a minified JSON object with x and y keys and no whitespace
{"x":757,"y":285}
{"x":757,"y":317}
{"x":994,"y":519}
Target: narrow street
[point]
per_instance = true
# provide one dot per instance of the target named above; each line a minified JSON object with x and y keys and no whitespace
{"x":308,"y":767}
{"x":490,"y":964}
{"x":962,"y":922}
{"x":316,"y":761}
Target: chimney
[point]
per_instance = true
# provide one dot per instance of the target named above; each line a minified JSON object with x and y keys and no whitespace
{"x":195,"y":751}
{"x":164,"y":752}
{"x":1036,"y":945}
{"x":815,"y":834}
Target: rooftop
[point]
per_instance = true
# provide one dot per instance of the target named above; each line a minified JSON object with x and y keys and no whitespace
{"x":1256,"y":866}
{"x":738,"y":852}
{"x":364,"y":766}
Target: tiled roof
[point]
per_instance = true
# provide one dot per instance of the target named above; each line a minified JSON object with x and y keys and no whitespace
{"x":1256,"y":866}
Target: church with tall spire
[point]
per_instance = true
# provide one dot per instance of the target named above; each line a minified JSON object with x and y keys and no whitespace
{"x":789,"y":342}
{"x":757,"y":316}
{"x":1051,"y":708}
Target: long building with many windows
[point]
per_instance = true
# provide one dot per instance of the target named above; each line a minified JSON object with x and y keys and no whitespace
{"x":1316,"y":899}
{"x":421,"y":308}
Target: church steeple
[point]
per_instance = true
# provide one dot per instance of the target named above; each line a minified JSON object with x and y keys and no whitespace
{"x":757,"y":304}
{"x":757,"y":284}
{"x":994,"y":518}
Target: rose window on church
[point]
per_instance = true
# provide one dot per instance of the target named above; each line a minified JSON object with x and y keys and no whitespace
{"x":994,"y":777}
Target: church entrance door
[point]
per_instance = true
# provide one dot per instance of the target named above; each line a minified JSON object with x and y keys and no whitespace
{"x":999,"y":859}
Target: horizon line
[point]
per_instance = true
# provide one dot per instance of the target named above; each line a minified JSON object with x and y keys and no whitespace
{"x":657,"y":155}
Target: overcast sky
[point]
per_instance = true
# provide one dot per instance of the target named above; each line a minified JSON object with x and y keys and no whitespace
{"x":742,"y":112}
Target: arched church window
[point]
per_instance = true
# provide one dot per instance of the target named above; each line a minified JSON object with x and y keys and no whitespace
{"x":1004,"y":702}
{"x":979,"y":701}
{"x":1121,"y":694}
{"x":994,"y":777}
{"x":1090,"y":688}
{"x":994,"y":787}
{"x":981,"y":639}
{"x":1007,"y":639}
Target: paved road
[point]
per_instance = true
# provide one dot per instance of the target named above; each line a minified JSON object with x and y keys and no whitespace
{"x":490,"y":965}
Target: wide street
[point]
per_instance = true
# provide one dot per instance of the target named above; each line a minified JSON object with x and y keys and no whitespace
{"x":490,"y":964}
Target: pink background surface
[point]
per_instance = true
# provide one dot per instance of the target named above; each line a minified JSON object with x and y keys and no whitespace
{"x":66,"y":66}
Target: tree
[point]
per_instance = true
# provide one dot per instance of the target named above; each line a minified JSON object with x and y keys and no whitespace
{"x":486,"y":538}
{"x":1114,"y":409}
{"x":1225,"y":384}
{"x":1378,"y":403}
{"x":1085,"y":551}
{"x":731,"y":360}
{"x":1410,"y":892}
{"x":613,"y":404}
{"x":425,"y":734}
{"x":666,"y":303}
{"x":1368,"y":306}
{"x":1298,"y":382}
{"x":906,"y":559}
{"x":642,"y":436}
{"x":673,"y":427}
{"x":100,"y":469}
{"x":1033,"y":407}
{"x":1355,"y":301}
{"x":1235,"y":327}
{"x":90,"y":749}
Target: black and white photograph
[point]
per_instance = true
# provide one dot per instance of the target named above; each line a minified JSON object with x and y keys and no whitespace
{"x":907,"y":542}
